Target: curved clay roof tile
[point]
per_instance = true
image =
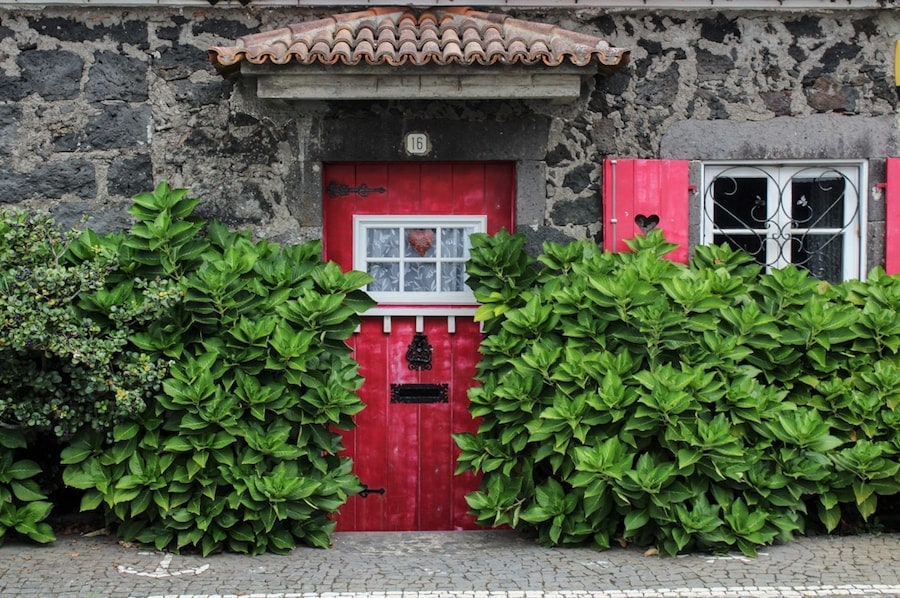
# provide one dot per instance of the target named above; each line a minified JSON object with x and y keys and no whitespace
{"x":385,"y":25}
{"x":408,"y":35}
{"x":386,"y":36}
{"x":273,"y":53}
{"x":449,"y":36}
{"x":325,"y":37}
{"x":343,"y":52}
{"x":431,"y":50}
{"x":408,"y":50}
{"x":452,"y":53}
{"x":495,"y":51}
{"x":428,"y":18}
{"x":516,"y":47}
{"x":300,"y":52}
{"x":294,"y":28}
{"x":344,"y":34}
{"x":539,"y":52}
{"x":364,"y":51}
{"x":365,"y":35}
{"x":471,"y":34}
{"x":474,"y":52}
{"x":383,"y":53}
{"x":429,"y":36}
{"x":491,"y":33}
{"x":321,"y":52}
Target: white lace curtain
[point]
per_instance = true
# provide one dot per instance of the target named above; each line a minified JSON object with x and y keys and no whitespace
{"x":413,"y":260}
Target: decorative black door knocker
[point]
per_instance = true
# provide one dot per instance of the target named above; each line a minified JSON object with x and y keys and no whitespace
{"x":419,"y":353}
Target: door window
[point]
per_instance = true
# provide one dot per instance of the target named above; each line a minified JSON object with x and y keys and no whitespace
{"x":415,"y":259}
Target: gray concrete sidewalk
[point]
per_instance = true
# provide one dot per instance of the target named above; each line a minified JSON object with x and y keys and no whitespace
{"x":489,"y":564}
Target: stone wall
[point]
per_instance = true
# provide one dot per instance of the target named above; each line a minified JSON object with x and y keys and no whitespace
{"x":99,"y":104}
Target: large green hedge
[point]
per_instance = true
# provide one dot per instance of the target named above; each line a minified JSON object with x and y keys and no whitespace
{"x":203,"y":376}
{"x":627,"y":398}
{"x":239,"y":450}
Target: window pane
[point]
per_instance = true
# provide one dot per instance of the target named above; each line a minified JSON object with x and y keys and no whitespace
{"x":453,"y":276}
{"x":822,"y":255}
{"x":739,"y":202}
{"x":454,"y":242}
{"x":752,"y":244}
{"x":420,"y":242}
{"x":818,"y":202}
{"x":420,"y":277}
{"x":383,"y":242}
{"x":386,"y":275}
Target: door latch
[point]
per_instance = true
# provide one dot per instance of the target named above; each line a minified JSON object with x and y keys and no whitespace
{"x":366,"y":491}
{"x":338,"y":190}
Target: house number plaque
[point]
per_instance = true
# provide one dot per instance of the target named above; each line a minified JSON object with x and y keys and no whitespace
{"x":417,"y":144}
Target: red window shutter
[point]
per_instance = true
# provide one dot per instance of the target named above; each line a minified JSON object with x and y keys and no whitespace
{"x":639,"y":195}
{"x":892,"y":217}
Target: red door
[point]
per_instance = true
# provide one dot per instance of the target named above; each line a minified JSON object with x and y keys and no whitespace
{"x":407,"y":224}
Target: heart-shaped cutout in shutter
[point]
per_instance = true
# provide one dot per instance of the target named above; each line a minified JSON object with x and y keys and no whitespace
{"x":646,"y":223}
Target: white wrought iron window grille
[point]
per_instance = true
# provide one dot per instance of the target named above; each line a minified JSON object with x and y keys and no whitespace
{"x":809,"y":215}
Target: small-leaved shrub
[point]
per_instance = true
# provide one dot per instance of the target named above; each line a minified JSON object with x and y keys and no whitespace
{"x":61,"y":368}
{"x":239,"y":449}
{"x":625,"y":398}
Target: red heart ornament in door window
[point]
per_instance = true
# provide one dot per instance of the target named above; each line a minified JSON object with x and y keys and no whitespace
{"x":421,"y":240}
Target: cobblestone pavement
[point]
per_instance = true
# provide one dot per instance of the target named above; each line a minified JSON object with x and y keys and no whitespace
{"x":489,"y":564}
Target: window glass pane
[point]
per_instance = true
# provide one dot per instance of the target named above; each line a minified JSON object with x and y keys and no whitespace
{"x":818,"y":202}
{"x":822,"y":255}
{"x":420,"y":277}
{"x":739,"y":202}
{"x":453,"y":276}
{"x":383,"y":242}
{"x":386,"y":275}
{"x":454,"y":242}
{"x":420,"y":242}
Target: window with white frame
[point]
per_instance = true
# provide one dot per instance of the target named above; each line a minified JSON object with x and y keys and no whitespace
{"x":415,"y":259}
{"x":811,"y":215}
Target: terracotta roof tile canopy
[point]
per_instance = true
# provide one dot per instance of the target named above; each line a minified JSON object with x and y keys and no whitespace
{"x":440,"y":40}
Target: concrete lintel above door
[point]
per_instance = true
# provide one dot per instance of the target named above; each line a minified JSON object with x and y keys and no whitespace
{"x":383,"y":82}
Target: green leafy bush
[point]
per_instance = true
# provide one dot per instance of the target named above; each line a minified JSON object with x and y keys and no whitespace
{"x":239,"y":450}
{"x":627,"y":398}
{"x":23,"y":507}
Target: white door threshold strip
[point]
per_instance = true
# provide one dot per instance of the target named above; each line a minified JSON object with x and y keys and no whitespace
{"x":811,"y":591}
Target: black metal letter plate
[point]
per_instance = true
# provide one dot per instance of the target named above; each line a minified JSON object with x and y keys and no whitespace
{"x":419,"y":393}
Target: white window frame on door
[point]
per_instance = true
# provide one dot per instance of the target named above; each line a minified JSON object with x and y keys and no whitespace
{"x":778,"y":223}
{"x":395,"y":301}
